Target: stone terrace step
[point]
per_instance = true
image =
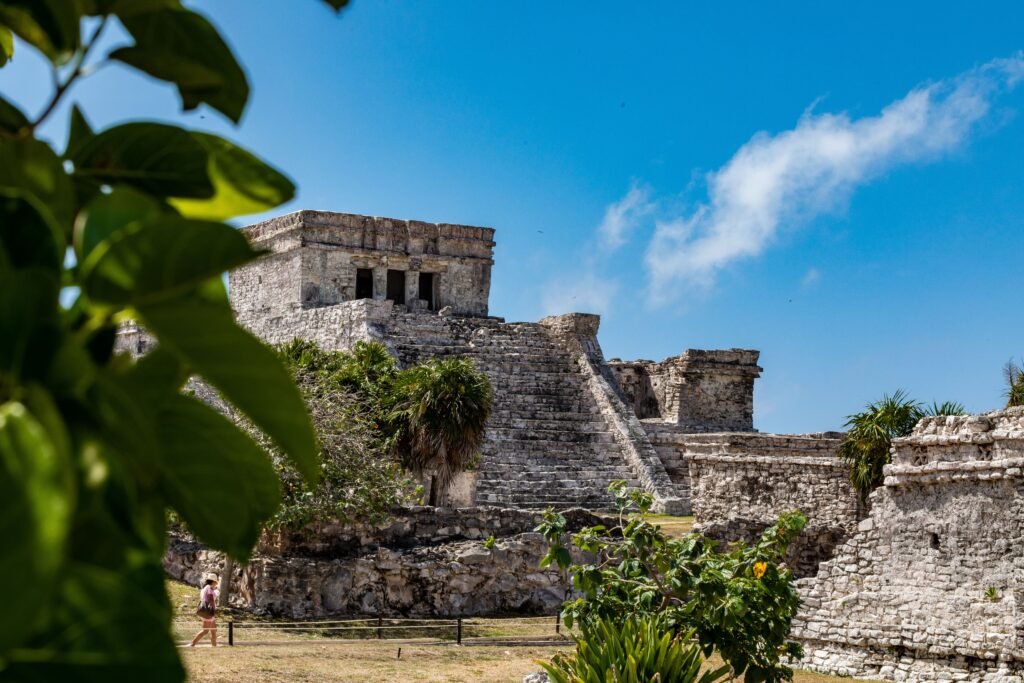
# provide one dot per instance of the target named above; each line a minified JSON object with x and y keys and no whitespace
{"x":547,"y":443}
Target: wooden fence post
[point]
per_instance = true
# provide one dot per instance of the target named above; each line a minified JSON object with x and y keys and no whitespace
{"x":380,"y":631}
{"x":458,"y":631}
{"x":558,"y":623}
{"x":231,"y":633}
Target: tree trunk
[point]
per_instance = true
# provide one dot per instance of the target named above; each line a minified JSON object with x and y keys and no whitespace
{"x":432,"y":498}
{"x":225,"y":581}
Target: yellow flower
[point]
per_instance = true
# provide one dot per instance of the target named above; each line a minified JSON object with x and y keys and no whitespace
{"x":759,"y":569}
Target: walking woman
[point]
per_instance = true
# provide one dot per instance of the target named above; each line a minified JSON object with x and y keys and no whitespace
{"x":207,"y":611}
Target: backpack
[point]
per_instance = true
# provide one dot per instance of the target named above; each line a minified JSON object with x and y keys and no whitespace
{"x":206,"y":610}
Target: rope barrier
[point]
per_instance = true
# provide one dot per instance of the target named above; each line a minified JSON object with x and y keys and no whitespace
{"x":368,"y":627}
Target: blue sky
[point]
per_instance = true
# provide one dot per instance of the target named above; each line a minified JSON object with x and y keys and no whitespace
{"x":837,"y":185}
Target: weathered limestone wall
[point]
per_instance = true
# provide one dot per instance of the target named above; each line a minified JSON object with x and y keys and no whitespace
{"x":702,"y":391}
{"x":315,"y":256}
{"x":410,"y":527}
{"x":741,"y":483}
{"x":332,"y":327}
{"x":412,"y":565}
{"x":930,"y":587}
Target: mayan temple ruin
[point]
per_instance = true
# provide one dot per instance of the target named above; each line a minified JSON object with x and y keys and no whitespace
{"x":566,"y":421}
{"x":921,"y":583}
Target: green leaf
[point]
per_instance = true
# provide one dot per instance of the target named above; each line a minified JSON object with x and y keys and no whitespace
{"x":29,"y":323}
{"x":165,"y":161}
{"x":112,"y":624}
{"x":79,"y":133}
{"x":108,"y":214}
{"x":215,"y":476}
{"x":30,"y":167}
{"x":11,"y":118}
{"x":242,"y":182}
{"x":160,"y":258}
{"x":6,"y":45}
{"x":37,"y":488}
{"x":248,"y":373}
{"x":51,"y":26}
{"x":28,"y":234}
{"x":180,"y":46}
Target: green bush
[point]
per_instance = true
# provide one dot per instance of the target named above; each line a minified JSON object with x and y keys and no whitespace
{"x":125,"y":223}
{"x":871,"y":431}
{"x":640,"y":650}
{"x":360,"y":478}
{"x":1014,"y":384}
{"x":739,"y":601}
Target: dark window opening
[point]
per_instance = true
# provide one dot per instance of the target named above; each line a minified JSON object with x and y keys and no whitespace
{"x":427,"y":289}
{"x":935,"y":540}
{"x":364,"y":283}
{"x":396,"y":286}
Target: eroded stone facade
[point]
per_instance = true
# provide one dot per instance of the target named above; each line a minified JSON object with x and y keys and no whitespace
{"x":741,"y":484}
{"x":420,"y":562}
{"x":930,"y":586}
{"x":700,"y":391}
{"x":321,"y":258}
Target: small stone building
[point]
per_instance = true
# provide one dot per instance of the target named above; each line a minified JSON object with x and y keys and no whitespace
{"x":319,"y":258}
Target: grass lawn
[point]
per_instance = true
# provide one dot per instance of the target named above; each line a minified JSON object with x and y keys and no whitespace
{"x":306,"y":657}
{"x":672,"y":526}
{"x":371,"y":661}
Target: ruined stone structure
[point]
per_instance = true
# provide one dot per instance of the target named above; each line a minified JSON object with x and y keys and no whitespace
{"x":930,"y":586}
{"x":566,"y":423}
{"x":701,"y":391}
{"x":420,"y":562}
{"x":742,"y":483}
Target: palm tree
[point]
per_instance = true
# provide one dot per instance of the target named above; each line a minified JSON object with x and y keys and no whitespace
{"x":1014,"y":374}
{"x":439,"y":412}
{"x":870,"y":435}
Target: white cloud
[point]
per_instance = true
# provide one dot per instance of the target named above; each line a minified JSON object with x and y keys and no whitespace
{"x":622,"y":217}
{"x":584,"y":292}
{"x":787,"y":179}
{"x":810,"y":278}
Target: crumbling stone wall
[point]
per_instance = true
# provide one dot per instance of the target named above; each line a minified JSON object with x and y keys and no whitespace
{"x":701,"y":391}
{"x":315,"y":257}
{"x":423,"y":562}
{"x":930,"y":586}
{"x":741,"y":483}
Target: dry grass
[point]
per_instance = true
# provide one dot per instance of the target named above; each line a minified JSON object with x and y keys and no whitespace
{"x":366,"y":661}
{"x":672,"y":526}
{"x":307,"y":656}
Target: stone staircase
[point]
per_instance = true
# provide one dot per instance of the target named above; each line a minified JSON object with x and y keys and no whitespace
{"x":547,"y":443}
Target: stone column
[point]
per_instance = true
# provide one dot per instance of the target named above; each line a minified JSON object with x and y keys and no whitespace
{"x":380,"y":282}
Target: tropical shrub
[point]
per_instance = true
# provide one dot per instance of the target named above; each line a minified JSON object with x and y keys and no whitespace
{"x":1014,"y":374}
{"x":359,"y":477}
{"x":438,"y":415}
{"x":738,"y":600}
{"x":125,"y":223}
{"x":637,"y":650}
{"x":871,"y":431}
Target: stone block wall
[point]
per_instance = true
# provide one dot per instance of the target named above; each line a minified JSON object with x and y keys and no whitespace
{"x":741,"y":483}
{"x":702,"y":391}
{"x":423,"y":562}
{"x":315,"y":255}
{"x":930,"y":588}
{"x":410,"y":527}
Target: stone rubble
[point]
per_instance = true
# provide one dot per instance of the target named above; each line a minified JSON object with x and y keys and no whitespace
{"x":388,"y":569}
